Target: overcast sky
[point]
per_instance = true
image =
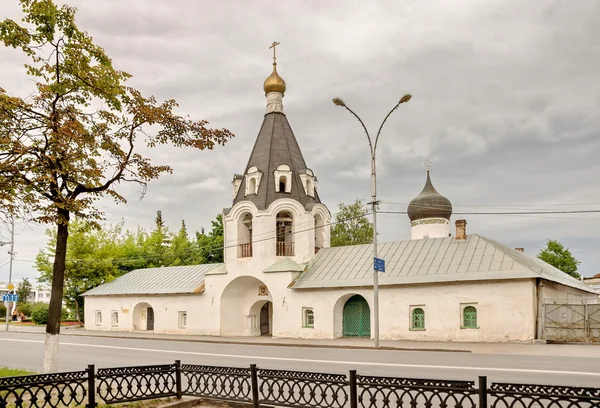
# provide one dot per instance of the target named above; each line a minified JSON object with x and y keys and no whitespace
{"x":506,"y":102}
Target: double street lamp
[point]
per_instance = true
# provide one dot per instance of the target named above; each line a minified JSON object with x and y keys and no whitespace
{"x":374,"y":203}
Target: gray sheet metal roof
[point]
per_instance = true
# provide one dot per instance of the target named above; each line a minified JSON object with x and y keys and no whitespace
{"x":165,"y":280}
{"x":427,"y":261}
{"x":275,"y":145}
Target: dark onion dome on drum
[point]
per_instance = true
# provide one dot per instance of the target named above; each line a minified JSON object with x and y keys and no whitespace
{"x":429,"y":204}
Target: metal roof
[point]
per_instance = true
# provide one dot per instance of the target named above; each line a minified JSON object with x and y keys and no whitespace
{"x":275,"y":145}
{"x":427,"y":261}
{"x":164,"y":280}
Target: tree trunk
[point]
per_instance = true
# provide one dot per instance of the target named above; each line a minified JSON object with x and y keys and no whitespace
{"x":55,"y":309}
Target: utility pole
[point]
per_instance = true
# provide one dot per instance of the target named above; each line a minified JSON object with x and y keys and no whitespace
{"x":12,"y":255}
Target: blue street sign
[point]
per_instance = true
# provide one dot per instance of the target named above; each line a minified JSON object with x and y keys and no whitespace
{"x":379,"y":264}
{"x":9,"y":297}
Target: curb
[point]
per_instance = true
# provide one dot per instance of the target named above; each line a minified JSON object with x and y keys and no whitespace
{"x":252,"y":343}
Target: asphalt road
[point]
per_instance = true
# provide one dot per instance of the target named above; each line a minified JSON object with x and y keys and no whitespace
{"x":25,"y":350}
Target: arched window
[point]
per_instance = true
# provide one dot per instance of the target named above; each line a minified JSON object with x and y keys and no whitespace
{"x":285,"y":238}
{"x":309,"y":188}
{"x":418,"y":319}
{"x":470,"y":317}
{"x":245,"y":236}
{"x":282,"y":183}
{"x":252,"y":186}
{"x":308,"y":318}
{"x":319,"y":232}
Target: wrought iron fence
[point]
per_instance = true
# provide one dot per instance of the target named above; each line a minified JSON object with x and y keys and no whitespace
{"x":128,"y":384}
{"x":279,"y":388}
{"x":44,"y":390}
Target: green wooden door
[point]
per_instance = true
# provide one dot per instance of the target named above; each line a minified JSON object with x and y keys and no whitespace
{"x":356,"y":317}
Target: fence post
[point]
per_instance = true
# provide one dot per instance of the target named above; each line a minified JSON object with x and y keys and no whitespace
{"x":254,"y":382}
{"x":482,"y":391}
{"x":353,"y":390}
{"x":91,"y":393}
{"x":178,"y":378}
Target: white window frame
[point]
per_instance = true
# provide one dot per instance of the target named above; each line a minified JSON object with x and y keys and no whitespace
{"x":252,"y":173}
{"x":309,"y":182}
{"x":98,"y":317}
{"x":283,"y":170}
{"x":305,"y":312}
{"x":182,"y":319}
{"x":114,"y":318}
{"x":463,"y":306}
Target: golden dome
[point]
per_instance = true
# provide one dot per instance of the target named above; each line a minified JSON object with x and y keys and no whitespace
{"x":274,"y":83}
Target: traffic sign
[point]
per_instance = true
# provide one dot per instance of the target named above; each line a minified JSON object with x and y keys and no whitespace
{"x":10,"y":286}
{"x":9,"y":297}
{"x":379,"y":264}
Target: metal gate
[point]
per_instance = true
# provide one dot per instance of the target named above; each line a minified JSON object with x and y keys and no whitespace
{"x":356,"y":317}
{"x":571,"y":320}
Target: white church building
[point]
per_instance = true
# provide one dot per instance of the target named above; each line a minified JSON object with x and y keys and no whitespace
{"x":281,"y":278}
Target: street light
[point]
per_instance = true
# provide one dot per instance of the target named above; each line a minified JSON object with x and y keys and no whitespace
{"x":373,"y":146}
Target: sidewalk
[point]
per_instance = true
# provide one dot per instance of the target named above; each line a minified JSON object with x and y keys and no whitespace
{"x":571,"y":350}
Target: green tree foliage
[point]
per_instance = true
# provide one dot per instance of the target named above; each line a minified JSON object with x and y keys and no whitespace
{"x":78,"y":134}
{"x":39,"y":314}
{"x":2,"y":310}
{"x":23,"y":290}
{"x":25,"y":308}
{"x":560,"y":257}
{"x":352,"y":227}
{"x":98,"y":256}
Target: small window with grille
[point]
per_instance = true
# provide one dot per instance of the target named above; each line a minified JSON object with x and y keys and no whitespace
{"x":182,"y":320}
{"x":98,"y":317}
{"x":417,"y":318}
{"x":114,"y":318}
{"x":308,"y":317}
{"x":469,"y":317}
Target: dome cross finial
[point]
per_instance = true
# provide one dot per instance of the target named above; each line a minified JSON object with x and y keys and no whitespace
{"x":275,"y":44}
{"x":427,"y":165}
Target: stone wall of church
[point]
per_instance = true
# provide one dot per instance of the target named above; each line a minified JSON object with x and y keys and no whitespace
{"x":505,"y":311}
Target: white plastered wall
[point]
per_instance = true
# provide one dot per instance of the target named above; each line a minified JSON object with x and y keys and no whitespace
{"x":430,"y":228}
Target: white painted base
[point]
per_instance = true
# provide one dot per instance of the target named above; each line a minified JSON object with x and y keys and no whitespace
{"x":51,"y":353}
{"x":430,"y":228}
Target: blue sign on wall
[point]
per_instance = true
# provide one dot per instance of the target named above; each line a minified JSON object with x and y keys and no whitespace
{"x":379,"y":264}
{"x":9,"y":297}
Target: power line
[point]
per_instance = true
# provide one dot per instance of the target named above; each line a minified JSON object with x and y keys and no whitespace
{"x":503,"y":213}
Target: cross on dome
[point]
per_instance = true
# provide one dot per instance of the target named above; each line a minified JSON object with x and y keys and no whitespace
{"x":427,"y":164}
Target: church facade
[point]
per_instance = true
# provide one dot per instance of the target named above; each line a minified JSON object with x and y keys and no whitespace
{"x":281,"y":278}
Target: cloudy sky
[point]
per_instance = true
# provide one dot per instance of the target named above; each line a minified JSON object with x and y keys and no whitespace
{"x":506,"y":102}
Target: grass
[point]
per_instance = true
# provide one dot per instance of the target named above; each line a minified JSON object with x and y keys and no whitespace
{"x":13,"y":372}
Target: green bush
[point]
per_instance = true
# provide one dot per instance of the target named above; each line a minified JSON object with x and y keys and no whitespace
{"x":2,"y":310}
{"x":25,"y":308}
{"x":39,"y":314}
{"x":64,"y":314}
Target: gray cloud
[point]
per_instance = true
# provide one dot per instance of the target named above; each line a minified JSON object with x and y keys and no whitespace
{"x":506,"y":102}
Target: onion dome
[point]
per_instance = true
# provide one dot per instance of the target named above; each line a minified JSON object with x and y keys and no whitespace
{"x":274,"y":83}
{"x":429,"y":204}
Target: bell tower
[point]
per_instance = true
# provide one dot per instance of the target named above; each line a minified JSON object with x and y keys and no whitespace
{"x":276,"y":209}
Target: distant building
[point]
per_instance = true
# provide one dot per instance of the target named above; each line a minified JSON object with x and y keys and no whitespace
{"x":593,"y":282}
{"x":281,"y":278}
{"x":40,"y":294}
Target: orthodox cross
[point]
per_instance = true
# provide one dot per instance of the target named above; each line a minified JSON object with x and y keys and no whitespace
{"x":427,"y":165}
{"x":275,"y":44}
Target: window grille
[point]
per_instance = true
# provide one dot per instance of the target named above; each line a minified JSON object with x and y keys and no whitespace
{"x":309,"y":318}
{"x":114,"y":318}
{"x":418,"y":319}
{"x":182,"y":320}
{"x":470,"y":317}
{"x":98,"y":318}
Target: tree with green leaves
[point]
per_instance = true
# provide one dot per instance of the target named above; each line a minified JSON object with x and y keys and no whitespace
{"x":211,"y":245}
{"x":77,"y":135}
{"x":24,"y":290}
{"x":351,"y":225}
{"x":560,"y":257}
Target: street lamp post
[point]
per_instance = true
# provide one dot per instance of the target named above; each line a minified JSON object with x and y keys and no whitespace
{"x":374,"y":203}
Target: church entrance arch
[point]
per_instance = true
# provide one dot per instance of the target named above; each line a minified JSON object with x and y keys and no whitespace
{"x":246,"y":308}
{"x":356,"y":317}
{"x":143,"y":317}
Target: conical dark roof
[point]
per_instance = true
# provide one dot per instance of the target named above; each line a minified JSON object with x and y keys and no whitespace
{"x":429,"y":204}
{"x":276,"y":145}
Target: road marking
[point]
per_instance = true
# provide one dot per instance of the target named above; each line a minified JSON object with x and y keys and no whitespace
{"x":306,"y":360}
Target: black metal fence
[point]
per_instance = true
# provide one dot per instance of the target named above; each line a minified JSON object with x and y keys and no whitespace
{"x":294,"y":389}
